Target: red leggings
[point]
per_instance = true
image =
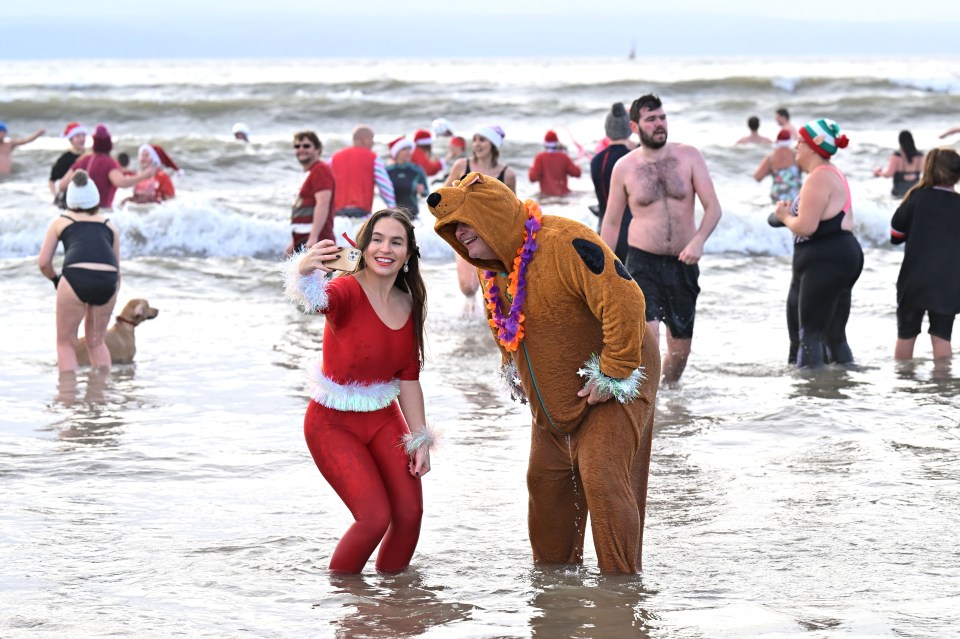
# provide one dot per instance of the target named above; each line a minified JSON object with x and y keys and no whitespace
{"x":361,"y":456}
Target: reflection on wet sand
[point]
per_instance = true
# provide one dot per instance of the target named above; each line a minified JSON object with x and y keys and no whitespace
{"x":396,"y":606}
{"x":96,"y":410}
{"x":574,"y":603}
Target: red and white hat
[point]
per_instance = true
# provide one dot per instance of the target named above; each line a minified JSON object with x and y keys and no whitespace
{"x":398,"y":145}
{"x":159,"y":156}
{"x":72,"y":129}
{"x":550,"y":139}
{"x":423,"y":137}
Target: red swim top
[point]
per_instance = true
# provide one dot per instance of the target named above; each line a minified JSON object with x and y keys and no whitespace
{"x":358,"y":346}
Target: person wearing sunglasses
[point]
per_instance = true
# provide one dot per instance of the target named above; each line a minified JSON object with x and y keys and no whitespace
{"x":310,"y":218}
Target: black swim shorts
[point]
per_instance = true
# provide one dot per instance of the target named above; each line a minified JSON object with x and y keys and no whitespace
{"x":670,"y":288}
{"x":910,"y":319}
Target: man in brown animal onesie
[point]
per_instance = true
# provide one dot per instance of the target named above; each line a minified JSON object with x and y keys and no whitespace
{"x":581,"y":317}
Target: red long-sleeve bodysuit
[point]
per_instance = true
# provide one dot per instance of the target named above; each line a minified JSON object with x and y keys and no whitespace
{"x":354,"y":427}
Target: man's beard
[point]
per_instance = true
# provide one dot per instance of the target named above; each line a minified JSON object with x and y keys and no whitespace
{"x":651,"y":143}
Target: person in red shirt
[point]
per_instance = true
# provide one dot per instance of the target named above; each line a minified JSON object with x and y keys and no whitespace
{"x":311,"y":219}
{"x":159,"y":186}
{"x":423,"y":153}
{"x":365,"y":425}
{"x":552,"y":166}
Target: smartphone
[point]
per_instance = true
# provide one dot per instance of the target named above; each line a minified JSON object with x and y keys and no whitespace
{"x":347,"y":260}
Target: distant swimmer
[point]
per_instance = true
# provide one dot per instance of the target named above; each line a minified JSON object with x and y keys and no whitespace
{"x":103,"y":169}
{"x":158,"y":187}
{"x":441,"y":128}
{"x":781,"y":165}
{"x":241,"y":132}
{"x":7,"y":145}
{"x":753,"y":123}
{"x":552,"y":166}
{"x":905,"y":166}
{"x":76,"y":134}
{"x":782,"y":117}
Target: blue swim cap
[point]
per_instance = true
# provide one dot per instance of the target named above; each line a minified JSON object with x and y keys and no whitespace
{"x":3,"y":126}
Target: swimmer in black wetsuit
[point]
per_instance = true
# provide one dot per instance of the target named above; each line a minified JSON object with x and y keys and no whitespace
{"x":87,"y":289}
{"x":827,"y":258}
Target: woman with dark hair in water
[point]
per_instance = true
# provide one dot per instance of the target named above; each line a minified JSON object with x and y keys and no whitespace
{"x":904,"y":167}
{"x":365,"y":424}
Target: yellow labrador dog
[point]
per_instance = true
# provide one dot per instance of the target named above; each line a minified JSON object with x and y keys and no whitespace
{"x":120,"y":338}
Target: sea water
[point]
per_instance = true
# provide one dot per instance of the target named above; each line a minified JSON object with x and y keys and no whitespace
{"x":176,"y":497}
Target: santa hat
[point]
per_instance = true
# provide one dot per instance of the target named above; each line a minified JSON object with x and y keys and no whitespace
{"x":783,"y":137}
{"x":423,"y":137}
{"x":441,"y":127}
{"x":550,"y":140}
{"x":458,"y":141}
{"x":72,"y":129}
{"x":398,"y":145}
{"x":491,"y":132}
{"x":824,"y":137}
{"x":159,"y":156}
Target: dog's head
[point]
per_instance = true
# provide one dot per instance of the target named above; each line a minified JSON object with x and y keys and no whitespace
{"x":136,"y":311}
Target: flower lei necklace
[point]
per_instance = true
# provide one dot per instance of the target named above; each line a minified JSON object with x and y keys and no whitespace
{"x":510,"y":327}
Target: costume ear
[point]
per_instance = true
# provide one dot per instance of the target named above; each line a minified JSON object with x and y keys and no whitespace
{"x":477,"y":179}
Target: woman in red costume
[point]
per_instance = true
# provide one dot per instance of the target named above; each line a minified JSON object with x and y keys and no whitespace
{"x":367,"y":388}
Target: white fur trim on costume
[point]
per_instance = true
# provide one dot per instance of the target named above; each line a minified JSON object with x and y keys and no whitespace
{"x":308,"y":291}
{"x":355,"y":397}
{"x":425,"y":436}
{"x":623,"y":390}
{"x":511,"y":383}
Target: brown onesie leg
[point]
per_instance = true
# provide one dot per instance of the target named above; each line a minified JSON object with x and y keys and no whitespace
{"x":557,"y":510}
{"x":608,"y":444}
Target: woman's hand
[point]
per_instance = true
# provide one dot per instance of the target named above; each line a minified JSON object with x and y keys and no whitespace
{"x":420,"y":462}
{"x":783,"y":210}
{"x":322,"y":251}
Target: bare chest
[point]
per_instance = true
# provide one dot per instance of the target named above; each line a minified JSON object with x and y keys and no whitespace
{"x":665,"y":179}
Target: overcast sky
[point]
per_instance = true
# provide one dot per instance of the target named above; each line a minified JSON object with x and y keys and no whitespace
{"x":491,"y":28}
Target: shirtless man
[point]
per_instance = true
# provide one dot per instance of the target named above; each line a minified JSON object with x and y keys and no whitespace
{"x":8,"y":145}
{"x":659,"y":181}
{"x":782,"y":117}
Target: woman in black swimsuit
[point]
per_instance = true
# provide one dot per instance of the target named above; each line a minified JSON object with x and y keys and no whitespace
{"x":827,"y":258}
{"x":487,"y":140}
{"x":905,"y":166}
{"x":87,"y":288}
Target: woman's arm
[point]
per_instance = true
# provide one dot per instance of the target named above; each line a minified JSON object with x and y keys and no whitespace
{"x":456,"y":171}
{"x":763,"y":170}
{"x":510,"y":179}
{"x":49,"y":247}
{"x":421,"y":437}
{"x":892,"y":167}
{"x":121,"y":181}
